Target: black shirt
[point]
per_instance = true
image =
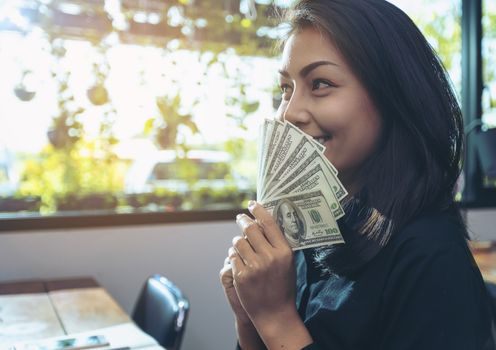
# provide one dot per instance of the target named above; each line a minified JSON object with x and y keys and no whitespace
{"x":423,"y":290}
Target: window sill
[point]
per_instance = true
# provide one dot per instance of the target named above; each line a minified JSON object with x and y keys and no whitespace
{"x":70,"y":220}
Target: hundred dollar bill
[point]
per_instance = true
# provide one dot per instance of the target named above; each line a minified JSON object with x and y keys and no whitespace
{"x":316,"y":178}
{"x":273,"y":139}
{"x":313,"y":159}
{"x":316,"y":143}
{"x":270,"y":144}
{"x":272,"y":136}
{"x":288,"y":142}
{"x":305,"y":219}
{"x":318,"y":164}
{"x":304,"y":148}
{"x":321,"y":148}
{"x":265,"y":129}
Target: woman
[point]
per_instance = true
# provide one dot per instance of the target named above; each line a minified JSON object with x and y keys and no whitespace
{"x":358,"y":76}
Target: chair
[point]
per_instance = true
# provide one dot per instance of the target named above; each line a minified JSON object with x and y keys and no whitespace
{"x":161,"y":311}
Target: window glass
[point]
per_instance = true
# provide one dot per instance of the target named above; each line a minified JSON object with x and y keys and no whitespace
{"x":489,"y":64}
{"x":94,"y":92}
{"x":486,"y":140}
{"x":440,"y":22}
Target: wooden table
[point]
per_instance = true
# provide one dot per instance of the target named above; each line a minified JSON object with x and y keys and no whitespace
{"x":35,"y":310}
{"x":485,"y":257}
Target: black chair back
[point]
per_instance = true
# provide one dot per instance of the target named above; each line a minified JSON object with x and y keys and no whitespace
{"x":161,"y":311}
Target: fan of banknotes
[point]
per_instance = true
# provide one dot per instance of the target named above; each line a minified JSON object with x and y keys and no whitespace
{"x":298,"y":185}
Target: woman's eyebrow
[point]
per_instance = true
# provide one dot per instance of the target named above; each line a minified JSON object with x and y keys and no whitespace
{"x":283,"y":73}
{"x":308,"y":68}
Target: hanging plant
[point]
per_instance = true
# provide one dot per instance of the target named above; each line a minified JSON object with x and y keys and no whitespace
{"x":66,"y":130}
{"x":98,"y":94}
{"x":166,"y":126}
{"x":23,"y":90}
{"x":23,"y":94}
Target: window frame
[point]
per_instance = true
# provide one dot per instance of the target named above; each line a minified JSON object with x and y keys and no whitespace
{"x":13,"y":223}
{"x":474,"y":194}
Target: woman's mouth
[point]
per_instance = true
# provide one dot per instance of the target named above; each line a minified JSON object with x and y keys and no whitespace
{"x":322,"y":139}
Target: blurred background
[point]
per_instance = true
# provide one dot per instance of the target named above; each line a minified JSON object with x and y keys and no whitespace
{"x":102,"y":101}
{"x":128,"y":136}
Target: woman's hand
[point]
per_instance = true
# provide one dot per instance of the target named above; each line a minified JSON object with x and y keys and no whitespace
{"x":265,"y":281}
{"x":263,"y":268}
{"x":226,"y":278}
{"x":247,"y":334}
{"x":264,"y":278}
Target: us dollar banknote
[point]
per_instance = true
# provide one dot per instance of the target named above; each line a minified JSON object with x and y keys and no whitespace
{"x":287,"y":143}
{"x":316,"y":179}
{"x":304,"y":166}
{"x":299,"y":185}
{"x":304,"y":148}
{"x":269,"y":145}
{"x":305,"y":219}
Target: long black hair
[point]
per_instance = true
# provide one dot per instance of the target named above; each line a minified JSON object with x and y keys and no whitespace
{"x":418,"y":160}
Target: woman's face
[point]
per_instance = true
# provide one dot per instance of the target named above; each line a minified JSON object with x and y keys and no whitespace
{"x":322,"y":97}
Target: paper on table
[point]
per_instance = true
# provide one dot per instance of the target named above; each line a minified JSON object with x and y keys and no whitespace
{"x":122,"y":335}
{"x":68,"y":342}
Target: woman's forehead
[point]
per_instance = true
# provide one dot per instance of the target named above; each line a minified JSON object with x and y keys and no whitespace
{"x":306,"y":46}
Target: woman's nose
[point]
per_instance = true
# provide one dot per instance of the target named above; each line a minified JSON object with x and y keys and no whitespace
{"x":295,"y":111}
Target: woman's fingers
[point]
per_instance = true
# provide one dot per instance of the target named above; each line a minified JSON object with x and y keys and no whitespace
{"x":244,"y":250}
{"x":252,"y":232}
{"x":226,"y":276}
{"x":268,"y":225}
{"x":237,"y":263}
{"x":226,"y":268}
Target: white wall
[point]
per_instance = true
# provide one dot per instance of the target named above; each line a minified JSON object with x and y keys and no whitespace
{"x":482,"y":224}
{"x":121,"y":258}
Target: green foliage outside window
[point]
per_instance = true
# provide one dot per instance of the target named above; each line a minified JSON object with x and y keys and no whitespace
{"x":81,"y":170}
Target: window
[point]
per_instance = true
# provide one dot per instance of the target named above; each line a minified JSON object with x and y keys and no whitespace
{"x":93,"y":92}
{"x":440,"y":22}
{"x":125,"y":106}
{"x":486,"y":138}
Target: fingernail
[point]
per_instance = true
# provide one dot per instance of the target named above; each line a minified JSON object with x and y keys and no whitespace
{"x":251,"y":205}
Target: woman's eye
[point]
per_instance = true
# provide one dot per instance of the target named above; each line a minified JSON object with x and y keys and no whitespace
{"x":321,"y":84}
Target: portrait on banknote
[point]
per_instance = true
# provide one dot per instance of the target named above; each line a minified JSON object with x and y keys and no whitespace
{"x":291,"y":221}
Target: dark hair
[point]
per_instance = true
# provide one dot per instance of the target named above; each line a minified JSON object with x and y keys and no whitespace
{"x":418,"y":160}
